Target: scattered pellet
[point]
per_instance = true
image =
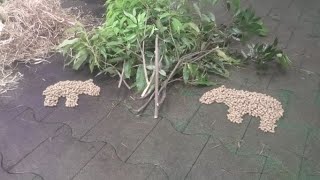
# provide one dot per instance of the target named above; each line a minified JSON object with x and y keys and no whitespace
{"x":70,"y":90}
{"x":240,"y":102}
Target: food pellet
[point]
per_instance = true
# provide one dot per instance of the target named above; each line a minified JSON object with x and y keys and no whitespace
{"x":70,"y":90}
{"x":240,"y":102}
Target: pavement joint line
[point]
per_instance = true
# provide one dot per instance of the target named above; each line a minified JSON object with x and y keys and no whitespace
{"x":154,"y":168}
{"x":290,"y":37}
{"x":135,"y":149}
{"x":290,"y":4}
{"x":15,"y":164}
{"x":191,"y":118}
{"x":88,"y":161}
{"x":104,"y":142}
{"x":195,"y":161}
{"x":33,"y":119}
{"x":263,"y":167}
{"x":302,"y":158}
{"x":16,"y":173}
{"x":244,"y":133}
{"x":103,"y":118}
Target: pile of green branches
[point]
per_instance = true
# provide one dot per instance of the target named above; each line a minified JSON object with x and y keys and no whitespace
{"x":149,"y":44}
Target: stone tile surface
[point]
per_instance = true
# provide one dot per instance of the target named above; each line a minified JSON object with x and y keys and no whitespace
{"x":21,"y":135}
{"x":102,"y":139}
{"x":107,"y":165}
{"x":217,"y":162}
{"x":124,"y":130}
{"x":59,"y":157}
{"x":171,"y":150}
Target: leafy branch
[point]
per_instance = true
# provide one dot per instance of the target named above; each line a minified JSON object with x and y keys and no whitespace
{"x":149,"y":44}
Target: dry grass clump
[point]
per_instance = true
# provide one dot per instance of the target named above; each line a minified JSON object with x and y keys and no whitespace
{"x":32,"y":28}
{"x":29,"y":30}
{"x":244,"y":102}
{"x":71,"y":90}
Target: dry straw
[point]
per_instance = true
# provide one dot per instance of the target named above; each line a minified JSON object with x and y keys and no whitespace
{"x":30,"y":29}
{"x":240,"y":102}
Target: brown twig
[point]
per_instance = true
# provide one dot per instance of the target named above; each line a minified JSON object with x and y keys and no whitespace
{"x":121,"y":77}
{"x":156,"y":88}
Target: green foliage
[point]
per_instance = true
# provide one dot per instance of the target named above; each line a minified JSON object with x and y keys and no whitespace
{"x":191,"y":45}
{"x":125,"y":42}
{"x":246,"y":23}
{"x":265,"y":54}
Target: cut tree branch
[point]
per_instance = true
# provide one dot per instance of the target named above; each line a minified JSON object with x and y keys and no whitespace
{"x":156,"y":88}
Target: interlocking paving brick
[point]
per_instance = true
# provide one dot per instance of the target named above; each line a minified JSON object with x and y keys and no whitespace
{"x":217,"y":162}
{"x":19,"y":136}
{"x":212,"y":119}
{"x":301,"y":107}
{"x":171,"y":150}
{"x":297,"y":44}
{"x":59,"y":157}
{"x":284,"y":34}
{"x":271,"y":24}
{"x":221,"y":13}
{"x":25,"y":176}
{"x":16,"y":176}
{"x":296,"y":81}
{"x":123,"y":130}
{"x":277,"y":169}
{"x":283,"y":148}
{"x":289,"y":17}
{"x":10,"y":111}
{"x":261,"y":7}
{"x":157,"y":174}
{"x":106,"y":165}
{"x":311,"y":62}
{"x":310,"y":166}
{"x":250,"y":79}
{"x":90,"y":110}
{"x":296,"y":50}
{"x":180,"y":105}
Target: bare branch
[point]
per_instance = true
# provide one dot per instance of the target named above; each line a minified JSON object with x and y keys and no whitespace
{"x":121,"y":77}
{"x":156,"y":90}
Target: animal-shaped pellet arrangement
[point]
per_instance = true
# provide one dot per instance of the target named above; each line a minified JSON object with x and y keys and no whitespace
{"x":70,"y":90}
{"x":240,"y":102}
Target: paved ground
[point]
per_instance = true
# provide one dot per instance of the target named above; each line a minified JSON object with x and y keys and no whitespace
{"x":102,"y":139}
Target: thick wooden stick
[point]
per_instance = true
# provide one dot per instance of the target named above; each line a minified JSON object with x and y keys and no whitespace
{"x":156,"y":88}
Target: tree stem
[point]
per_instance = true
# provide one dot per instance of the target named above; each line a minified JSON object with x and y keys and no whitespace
{"x":156,"y":88}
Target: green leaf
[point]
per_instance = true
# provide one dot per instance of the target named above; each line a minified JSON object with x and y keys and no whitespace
{"x":162,"y":72}
{"x":196,"y":7}
{"x":177,"y":25}
{"x":205,"y":18}
{"x":166,"y":14}
{"x":186,"y":74}
{"x":127,"y":68}
{"x":130,"y":16}
{"x":193,"y":69}
{"x":68,"y":42}
{"x":80,"y":58}
{"x":212,"y":17}
{"x":140,"y":79}
{"x":91,"y":67}
{"x":194,"y":26}
{"x":152,"y":31}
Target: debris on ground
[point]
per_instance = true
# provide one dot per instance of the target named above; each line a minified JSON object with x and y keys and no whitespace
{"x":241,"y":102}
{"x":70,"y":90}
